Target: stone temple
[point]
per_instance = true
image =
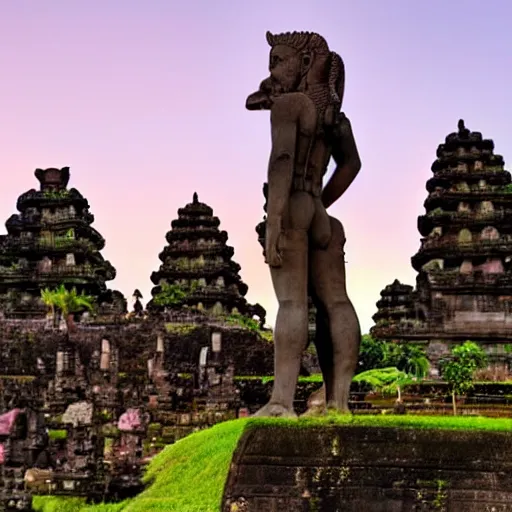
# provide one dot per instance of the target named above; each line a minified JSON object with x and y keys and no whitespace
{"x":464,"y":264}
{"x":198,"y":260}
{"x":83,"y":408}
{"x":50,"y":242}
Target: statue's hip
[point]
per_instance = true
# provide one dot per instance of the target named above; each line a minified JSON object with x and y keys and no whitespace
{"x":307,"y":213}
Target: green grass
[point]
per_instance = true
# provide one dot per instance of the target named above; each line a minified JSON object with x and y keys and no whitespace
{"x":391,"y":421}
{"x":316,"y":377}
{"x":65,"y":504}
{"x":189,"y":476}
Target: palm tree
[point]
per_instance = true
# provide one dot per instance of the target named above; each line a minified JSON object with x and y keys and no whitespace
{"x":47,"y":298}
{"x":409,"y":358}
{"x":67,"y":302}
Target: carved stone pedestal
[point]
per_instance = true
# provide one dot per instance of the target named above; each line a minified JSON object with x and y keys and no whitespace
{"x":349,"y":469}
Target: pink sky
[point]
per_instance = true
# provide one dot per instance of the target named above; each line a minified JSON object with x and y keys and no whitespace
{"x":144,"y":100}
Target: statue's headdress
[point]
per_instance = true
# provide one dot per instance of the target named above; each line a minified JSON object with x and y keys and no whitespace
{"x":315,"y":43}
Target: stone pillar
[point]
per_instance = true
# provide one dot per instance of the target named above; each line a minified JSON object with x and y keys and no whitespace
{"x":105,"y":355}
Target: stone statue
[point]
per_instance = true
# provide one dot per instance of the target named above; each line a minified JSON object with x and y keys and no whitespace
{"x":304,"y":247}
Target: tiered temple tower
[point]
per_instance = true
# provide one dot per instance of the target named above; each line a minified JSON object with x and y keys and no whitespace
{"x":50,"y":242}
{"x":395,"y":305}
{"x":198,"y":262}
{"x":464,"y":264}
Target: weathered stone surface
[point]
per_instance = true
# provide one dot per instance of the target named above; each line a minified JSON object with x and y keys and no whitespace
{"x":51,"y":242}
{"x":303,"y":245}
{"x":79,"y":413}
{"x":370,"y":469}
{"x":197,"y":264}
{"x":464,"y":282}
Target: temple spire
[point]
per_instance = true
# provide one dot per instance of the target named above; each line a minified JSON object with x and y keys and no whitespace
{"x":198,"y":261}
{"x":195,"y":199}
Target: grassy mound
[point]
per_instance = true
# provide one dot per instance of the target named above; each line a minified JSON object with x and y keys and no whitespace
{"x":189,"y":476}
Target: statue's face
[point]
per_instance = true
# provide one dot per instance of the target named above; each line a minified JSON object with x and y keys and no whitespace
{"x":285,"y":69}
{"x":285,"y":76}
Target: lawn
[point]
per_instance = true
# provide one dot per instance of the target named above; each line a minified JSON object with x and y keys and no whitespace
{"x":189,"y":476}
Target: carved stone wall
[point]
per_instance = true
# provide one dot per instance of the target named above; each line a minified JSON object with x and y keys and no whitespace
{"x":354,"y":469}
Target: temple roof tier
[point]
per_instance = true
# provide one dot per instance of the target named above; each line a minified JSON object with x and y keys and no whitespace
{"x":44,"y":199}
{"x":500,"y":196}
{"x":475,"y":219}
{"x":196,"y":250}
{"x":467,"y":250}
{"x":397,"y":311}
{"x":17,"y":223}
{"x":468,"y":159}
{"x":195,"y":222}
{"x":447,"y":180}
{"x":192,"y":234}
{"x":195,"y":208}
{"x":210,"y":295}
{"x":207,"y":272}
{"x":475,"y":282}
{"x":396,"y":288}
{"x":395,"y":302}
{"x":463,"y":137}
{"x":49,"y":247}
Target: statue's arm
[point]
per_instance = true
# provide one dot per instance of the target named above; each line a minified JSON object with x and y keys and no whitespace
{"x":293,"y":118}
{"x":348,"y":163}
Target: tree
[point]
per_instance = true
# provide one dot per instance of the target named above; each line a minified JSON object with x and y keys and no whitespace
{"x":408,"y":358}
{"x":68,"y":302}
{"x":459,"y":367}
{"x":47,"y":297}
{"x":170,"y":295}
{"x":372,"y":354}
{"x":385,"y":380}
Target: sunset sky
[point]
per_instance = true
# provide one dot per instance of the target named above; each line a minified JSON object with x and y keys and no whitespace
{"x":144,"y":101}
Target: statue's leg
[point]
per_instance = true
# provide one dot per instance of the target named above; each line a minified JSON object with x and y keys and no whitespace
{"x":291,"y":329}
{"x":323,"y":343}
{"x":327,"y":271}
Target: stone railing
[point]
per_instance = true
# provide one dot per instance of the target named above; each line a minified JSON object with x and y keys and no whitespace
{"x":469,"y":217}
{"x":184,"y":317}
{"x":205,"y":267}
{"x":455,"y":278}
{"x":460,"y":331}
{"x":491,"y":191}
{"x":488,"y":171}
{"x":51,"y":273}
{"x":68,"y":270}
{"x":455,"y":245}
{"x":14,"y":245}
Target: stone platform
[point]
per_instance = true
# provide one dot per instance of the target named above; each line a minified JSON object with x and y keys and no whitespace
{"x":356,"y":469}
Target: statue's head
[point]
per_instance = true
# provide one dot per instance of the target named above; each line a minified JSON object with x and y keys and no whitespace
{"x":298,"y":62}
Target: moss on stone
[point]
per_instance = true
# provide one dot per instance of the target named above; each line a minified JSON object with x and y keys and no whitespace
{"x":181,"y":329}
